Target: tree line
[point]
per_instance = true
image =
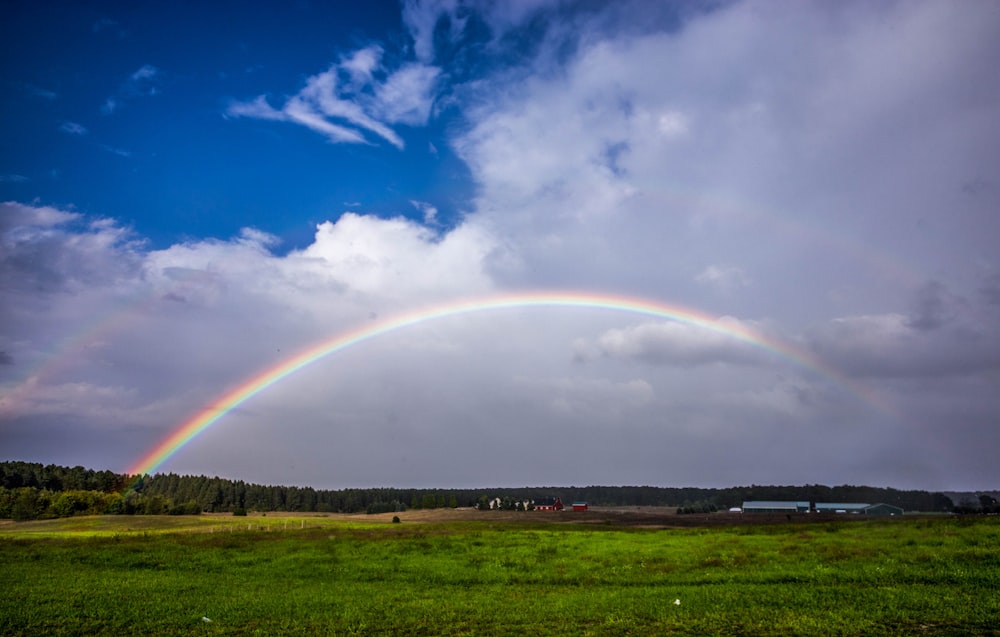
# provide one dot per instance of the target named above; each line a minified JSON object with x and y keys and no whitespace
{"x":32,"y":490}
{"x":985,"y":504}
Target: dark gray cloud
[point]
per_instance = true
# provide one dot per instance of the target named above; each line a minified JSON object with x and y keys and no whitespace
{"x":46,"y":250}
{"x":889,"y":346}
{"x":989,"y":289}
{"x":930,"y":307}
{"x":678,"y":344}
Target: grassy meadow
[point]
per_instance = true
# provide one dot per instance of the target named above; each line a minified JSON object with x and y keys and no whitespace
{"x":339,"y":575}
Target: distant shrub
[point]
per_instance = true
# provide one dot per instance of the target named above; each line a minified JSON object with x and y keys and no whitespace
{"x":187,"y":508}
{"x":240,"y":512}
{"x":697,"y":507}
{"x":395,"y":519}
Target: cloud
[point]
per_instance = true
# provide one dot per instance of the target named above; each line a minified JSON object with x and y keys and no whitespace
{"x":428,"y":20}
{"x":361,"y":66}
{"x":989,"y":289}
{"x":397,"y":257}
{"x":72,"y":128}
{"x":673,"y":124}
{"x":724,"y":277}
{"x":143,"y":82}
{"x":121,"y":152}
{"x":428,"y":210}
{"x":943,"y":335}
{"x":257,"y":108}
{"x":145,"y":74}
{"x":110,"y":106}
{"x":890,"y":346}
{"x":45,"y":251}
{"x":678,"y":344}
{"x":355,"y":96}
{"x":422,"y":18}
{"x":65,"y":271}
{"x":301,"y":112}
{"x":17,"y":215}
{"x":779,"y":153}
{"x":930,"y":307}
{"x":569,"y":397}
{"x":37,"y":91}
{"x":739,"y":146}
{"x":107,"y":24}
{"x":297,"y":111}
{"x":78,"y":130}
{"x":12,"y":179}
{"x":406,"y":96}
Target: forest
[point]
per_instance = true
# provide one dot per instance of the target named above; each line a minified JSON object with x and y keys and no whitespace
{"x":32,"y":491}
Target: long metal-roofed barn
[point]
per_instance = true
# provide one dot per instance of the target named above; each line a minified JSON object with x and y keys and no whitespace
{"x":788,"y":506}
{"x":775,"y":506}
{"x":858,"y":507}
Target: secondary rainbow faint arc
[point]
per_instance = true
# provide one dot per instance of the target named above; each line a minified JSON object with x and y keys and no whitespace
{"x":184,"y":434}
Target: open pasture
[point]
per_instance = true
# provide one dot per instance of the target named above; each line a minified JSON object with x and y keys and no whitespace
{"x":462,"y":574}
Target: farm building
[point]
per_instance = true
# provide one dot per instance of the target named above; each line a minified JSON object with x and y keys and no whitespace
{"x":782,"y":506}
{"x":858,"y":507}
{"x":579,"y":506}
{"x":548,"y":504}
{"x":775,"y":506}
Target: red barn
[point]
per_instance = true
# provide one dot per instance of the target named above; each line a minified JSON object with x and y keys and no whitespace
{"x":548,"y":504}
{"x":579,"y":506}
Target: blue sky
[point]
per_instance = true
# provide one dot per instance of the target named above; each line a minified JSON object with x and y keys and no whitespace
{"x":191,"y":194}
{"x":115,"y":105}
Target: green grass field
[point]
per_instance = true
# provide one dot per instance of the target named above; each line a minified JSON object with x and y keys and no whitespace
{"x":339,"y":576}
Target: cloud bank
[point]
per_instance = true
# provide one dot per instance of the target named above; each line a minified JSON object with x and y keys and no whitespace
{"x":801,"y":169}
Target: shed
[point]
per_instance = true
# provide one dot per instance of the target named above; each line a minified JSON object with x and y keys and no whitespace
{"x":579,"y":506}
{"x":775,"y":506}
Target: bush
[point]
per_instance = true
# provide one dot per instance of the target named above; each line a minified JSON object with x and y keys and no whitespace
{"x":240,"y":512}
{"x":697,"y":507}
{"x":395,"y":519}
{"x":188,"y":508}
{"x":29,"y":504}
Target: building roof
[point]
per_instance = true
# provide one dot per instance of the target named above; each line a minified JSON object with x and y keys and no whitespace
{"x":774,"y":504}
{"x":883,"y":505}
{"x":847,"y":506}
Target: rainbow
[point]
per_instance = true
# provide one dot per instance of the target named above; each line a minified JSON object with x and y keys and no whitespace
{"x":215,"y":411}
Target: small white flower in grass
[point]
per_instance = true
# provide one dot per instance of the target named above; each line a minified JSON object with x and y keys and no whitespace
{"x":206,"y":620}
{"x":677,"y":602}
